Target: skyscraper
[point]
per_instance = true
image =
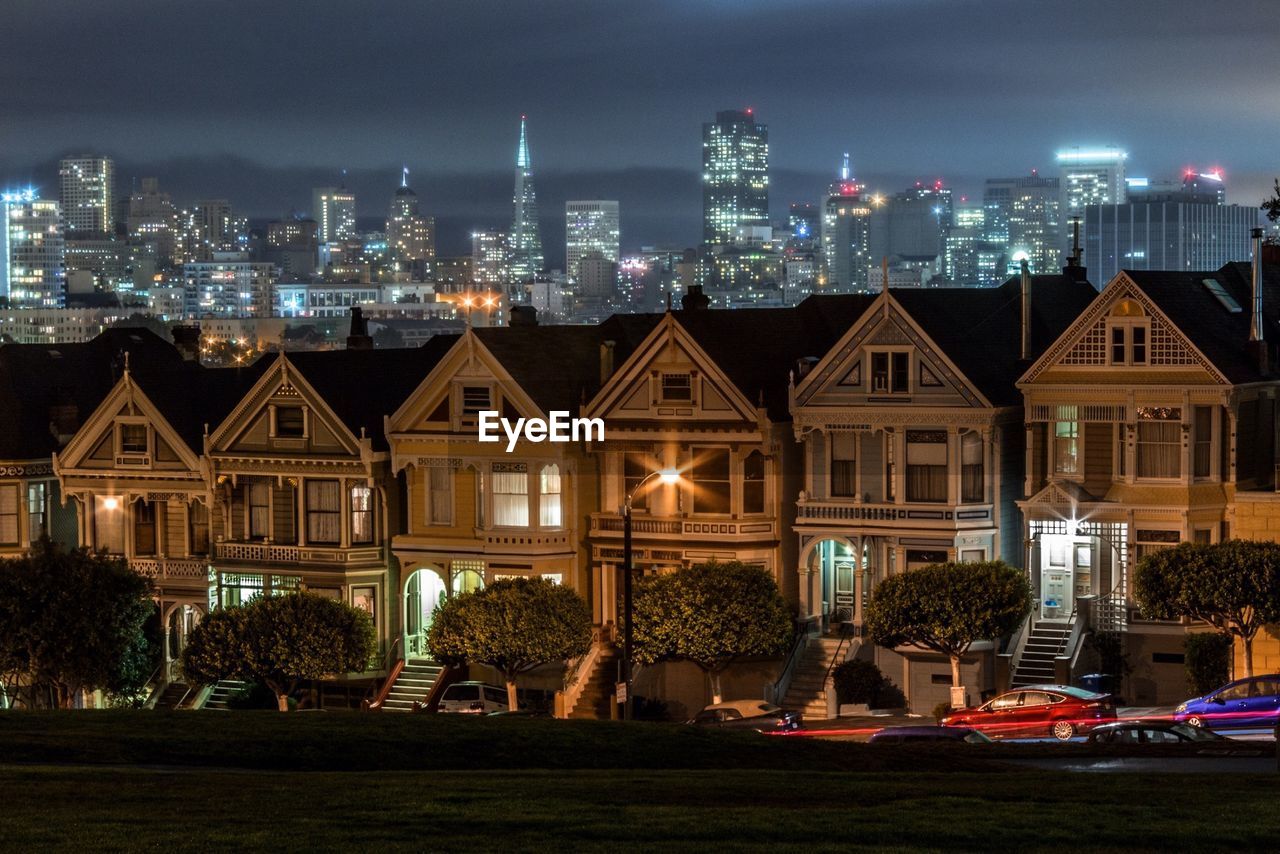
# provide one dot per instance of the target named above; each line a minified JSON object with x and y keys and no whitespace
{"x":334,"y":210}
{"x":152,"y":219}
{"x":963,"y":242}
{"x":1022,"y":216}
{"x":87,"y":184}
{"x":735,"y":176}
{"x":524,"y":243}
{"x":846,"y":233}
{"x":32,"y":252}
{"x":490,"y":259}
{"x":1088,"y":176}
{"x":590,"y":226}
{"x":911,"y":224}
{"x":411,"y":237}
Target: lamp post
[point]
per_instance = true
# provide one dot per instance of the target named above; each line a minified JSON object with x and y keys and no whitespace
{"x":668,"y":476}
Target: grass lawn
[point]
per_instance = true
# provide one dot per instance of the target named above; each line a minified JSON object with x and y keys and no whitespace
{"x":186,"y":781}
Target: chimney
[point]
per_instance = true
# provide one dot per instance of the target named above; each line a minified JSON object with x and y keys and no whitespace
{"x":359,"y":338}
{"x":523,"y":315}
{"x":1026,"y":310}
{"x":1075,"y":268}
{"x":606,"y":361}
{"x":187,"y":341}
{"x":695,"y":299}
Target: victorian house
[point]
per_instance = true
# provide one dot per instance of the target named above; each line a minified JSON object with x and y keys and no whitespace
{"x":1143,"y":421}
{"x":912,"y":437}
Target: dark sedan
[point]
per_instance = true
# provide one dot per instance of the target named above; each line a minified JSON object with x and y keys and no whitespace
{"x":1152,"y":732}
{"x":748,"y":714}
{"x":1037,"y":711}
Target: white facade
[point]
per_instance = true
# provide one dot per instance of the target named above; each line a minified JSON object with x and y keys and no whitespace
{"x":57,"y":325}
{"x":1089,"y":176}
{"x":228,"y":286}
{"x":86,"y":184}
{"x":32,"y":252}
{"x":590,"y":226}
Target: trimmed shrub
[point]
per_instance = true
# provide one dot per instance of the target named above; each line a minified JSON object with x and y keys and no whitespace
{"x":859,"y":681}
{"x":1208,"y":661}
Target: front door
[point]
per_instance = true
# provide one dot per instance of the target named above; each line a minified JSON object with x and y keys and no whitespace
{"x":844,"y":591}
{"x":1056,"y":584}
{"x":423,"y":593}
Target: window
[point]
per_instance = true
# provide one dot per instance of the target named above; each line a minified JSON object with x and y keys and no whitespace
{"x":890,"y":467}
{"x":144,"y":528}
{"x":37,"y":510}
{"x":677,"y":388}
{"x":133,"y":438}
{"x":366,"y":599}
{"x":1066,"y":447}
{"x":108,"y":523}
{"x":439,"y":495}
{"x":468,"y":576}
{"x":198,"y":519}
{"x":710,"y":475}
{"x":361,"y":514}
{"x":844,"y":466}
{"x":1138,"y":345}
{"x":511,"y":495}
{"x":475,"y":398}
{"x":324,"y":512}
{"x":972,"y":481}
{"x":635,"y":468}
{"x":753,"y":483}
{"x":1159,"y":442}
{"x":549,"y":497}
{"x":1122,"y":451}
{"x":927,"y":465}
{"x":9,"y":514}
{"x":259,"y":510}
{"x":237,"y":589}
{"x":1202,"y":451}
{"x":1151,"y":541}
{"x":290,"y":422}
{"x":1129,"y":342}
{"x":890,"y":372}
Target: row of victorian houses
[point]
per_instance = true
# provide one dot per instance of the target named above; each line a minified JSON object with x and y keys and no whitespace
{"x":1066,"y":430}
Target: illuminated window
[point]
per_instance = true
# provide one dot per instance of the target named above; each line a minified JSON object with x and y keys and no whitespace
{"x":549,"y":515}
{"x":361,"y":514}
{"x":711,"y":483}
{"x":324,"y":512}
{"x":511,"y":495}
{"x":9,"y":514}
{"x":1066,"y":447}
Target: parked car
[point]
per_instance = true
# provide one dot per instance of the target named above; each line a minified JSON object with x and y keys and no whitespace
{"x":1038,"y":710}
{"x":748,"y":714}
{"x":1152,"y":732}
{"x":473,"y":698}
{"x":1250,"y":703}
{"x":519,"y":713}
{"x":903,"y":734}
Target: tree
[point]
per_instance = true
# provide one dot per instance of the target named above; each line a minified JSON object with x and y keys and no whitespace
{"x":72,"y":621}
{"x":1233,"y":586}
{"x":945,"y":607}
{"x":710,"y":614}
{"x":513,"y":625}
{"x":1272,"y":204}
{"x":279,"y":641}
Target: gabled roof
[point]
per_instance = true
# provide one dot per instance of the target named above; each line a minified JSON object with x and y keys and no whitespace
{"x":37,"y":378}
{"x":980,"y":329}
{"x":1221,"y":335}
{"x":190,"y":396}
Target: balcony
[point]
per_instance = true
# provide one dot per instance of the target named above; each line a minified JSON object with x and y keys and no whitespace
{"x":937,"y":516}
{"x":260,"y":553}
{"x":171,"y":569}
{"x":609,"y":525}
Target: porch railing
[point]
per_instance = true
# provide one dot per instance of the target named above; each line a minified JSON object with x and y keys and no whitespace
{"x":275,"y":553}
{"x":172,"y":568}
{"x":848,"y":510}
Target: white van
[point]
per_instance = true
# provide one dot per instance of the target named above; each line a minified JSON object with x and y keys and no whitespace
{"x":473,"y":698}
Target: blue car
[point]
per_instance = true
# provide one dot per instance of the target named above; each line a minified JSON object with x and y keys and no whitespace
{"x":1250,"y":703}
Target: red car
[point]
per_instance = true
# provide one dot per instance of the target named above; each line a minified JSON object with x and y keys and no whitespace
{"x":1039,"y":710}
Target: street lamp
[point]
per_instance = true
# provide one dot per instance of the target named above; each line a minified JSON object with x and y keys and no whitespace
{"x":669,"y":477}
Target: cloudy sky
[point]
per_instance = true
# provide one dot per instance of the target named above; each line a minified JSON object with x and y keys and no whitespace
{"x":257,"y":101}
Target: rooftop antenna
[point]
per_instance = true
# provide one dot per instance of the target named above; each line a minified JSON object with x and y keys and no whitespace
{"x":404,"y":177}
{"x":844,"y":169}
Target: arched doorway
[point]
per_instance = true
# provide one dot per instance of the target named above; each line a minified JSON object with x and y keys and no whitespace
{"x":842,"y":579}
{"x":423,"y":593}
{"x":181,"y":622}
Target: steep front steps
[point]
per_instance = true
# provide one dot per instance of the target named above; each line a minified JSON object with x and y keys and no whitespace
{"x":807,"y":692}
{"x":597,"y":694}
{"x":412,"y":685}
{"x":173,"y":694}
{"x":1035,"y":666}
{"x":222,"y":692}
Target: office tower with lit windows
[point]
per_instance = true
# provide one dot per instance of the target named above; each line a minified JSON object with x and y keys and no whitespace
{"x":524,"y":244}
{"x":911,"y":224}
{"x":490,"y":259}
{"x":411,"y":237}
{"x":846,"y":234}
{"x":590,"y":227}
{"x":228,"y":284}
{"x":334,"y":210}
{"x":87,"y":194}
{"x":1088,"y":176}
{"x":32,"y":251}
{"x":1023,"y":216}
{"x":964,"y":240}
{"x":215,"y":227}
{"x":735,"y":177}
{"x":152,"y":219}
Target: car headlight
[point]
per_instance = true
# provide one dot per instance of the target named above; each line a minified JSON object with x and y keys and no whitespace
{"x":1181,"y":708}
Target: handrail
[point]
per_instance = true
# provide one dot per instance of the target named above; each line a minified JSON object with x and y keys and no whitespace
{"x":448,"y":675}
{"x":799,"y":643}
{"x":575,"y":684}
{"x":845,"y":634}
{"x":387,"y":685}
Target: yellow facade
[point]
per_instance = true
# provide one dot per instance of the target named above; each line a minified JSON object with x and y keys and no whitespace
{"x":1256,"y":516}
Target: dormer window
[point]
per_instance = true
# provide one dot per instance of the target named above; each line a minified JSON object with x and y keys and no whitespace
{"x":890,"y":372}
{"x":677,"y":388}
{"x":133,"y":438}
{"x":475,"y":399}
{"x":291,"y":422}
{"x":1128,"y":334}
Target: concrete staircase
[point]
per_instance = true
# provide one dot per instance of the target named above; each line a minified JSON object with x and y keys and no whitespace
{"x":412,"y":685}
{"x":807,"y":692}
{"x":222,"y":692}
{"x":173,"y":694}
{"x":597,"y":693}
{"x":1035,"y":666}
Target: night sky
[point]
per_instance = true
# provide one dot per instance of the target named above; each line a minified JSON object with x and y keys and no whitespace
{"x":259,"y":101}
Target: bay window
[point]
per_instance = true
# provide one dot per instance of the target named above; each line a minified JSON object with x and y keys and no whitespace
{"x":511,"y":495}
{"x":549,"y":515}
{"x":1159,"y":442}
{"x":927,"y":465}
{"x":259,"y":499}
{"x":972,"y":481}
{"x":324,"y":512}
{"x":198,"y":520}
{"x":844,"y":466}
{"x":753,"y":483}
{"x":635,"y":468}
{"x":439,"y":495}
{"x":711,"y":482}
{"x":108,"y":523}
{"x":361,"y":514}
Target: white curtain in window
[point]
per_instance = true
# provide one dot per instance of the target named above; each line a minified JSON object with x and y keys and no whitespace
{"x":511,"y":496}
{"x":1159,"y":449}
{"x":439,"y":495}
{"x":361,"y":514}
{"x":259,"y":509}
{"x":324,"y":511}
{"x":549,"y":515}
{"x":9,"y":514}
